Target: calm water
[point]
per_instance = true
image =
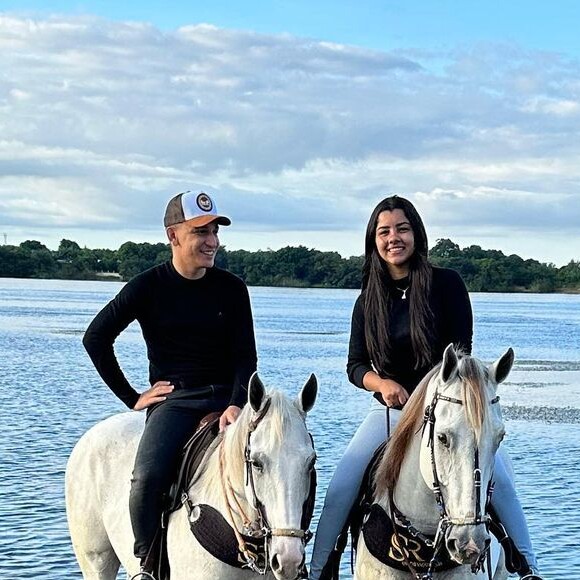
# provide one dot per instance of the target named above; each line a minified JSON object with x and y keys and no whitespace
{"x":51,"y":394}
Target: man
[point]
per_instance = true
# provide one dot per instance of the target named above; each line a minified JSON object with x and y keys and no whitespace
{"x":197,"y":325}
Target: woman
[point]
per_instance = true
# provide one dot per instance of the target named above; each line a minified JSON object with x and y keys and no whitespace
{"x":406,"y":315}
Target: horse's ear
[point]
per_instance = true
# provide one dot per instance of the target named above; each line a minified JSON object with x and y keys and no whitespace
{"x":307,"y":396}
{"x":256,"y":392}
{"x":449,"y":364}
{"x":500,"y":369}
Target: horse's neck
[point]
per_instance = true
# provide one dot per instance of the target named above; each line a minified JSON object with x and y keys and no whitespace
{"x":412,"y":496}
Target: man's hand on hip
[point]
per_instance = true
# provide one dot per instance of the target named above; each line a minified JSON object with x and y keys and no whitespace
{"x":156,"y":394}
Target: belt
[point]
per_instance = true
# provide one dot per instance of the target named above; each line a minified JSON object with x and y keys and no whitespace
{"x":200,"y":390}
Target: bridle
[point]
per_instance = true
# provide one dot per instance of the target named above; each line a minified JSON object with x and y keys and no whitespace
{"x":259,"y":527}
{"x":445,"y":521}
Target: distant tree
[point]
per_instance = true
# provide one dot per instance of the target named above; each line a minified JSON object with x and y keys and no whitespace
{"x":136,"y":258}
{"x":41,"y":260}
{"x":351,"y":274}
{"x":67,"y":250}
{"x":445,"y":249}
{"x":106,"y":260}
{"x":15,"y":263}
{"x":33,"y":246}
{"x":568,"y":276}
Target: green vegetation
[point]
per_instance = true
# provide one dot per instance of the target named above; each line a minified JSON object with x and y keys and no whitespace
{"x":482,"y":270}
{"x":493,"y":271}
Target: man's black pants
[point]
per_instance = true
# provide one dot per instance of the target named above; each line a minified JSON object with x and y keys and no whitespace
{"x":168,"y":426}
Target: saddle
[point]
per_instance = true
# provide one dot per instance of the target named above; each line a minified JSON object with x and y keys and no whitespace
{"x":378,"y":530}
{"x":192,"y":456}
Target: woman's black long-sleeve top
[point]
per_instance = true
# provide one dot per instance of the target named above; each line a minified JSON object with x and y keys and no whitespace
{"x":453,"y":323}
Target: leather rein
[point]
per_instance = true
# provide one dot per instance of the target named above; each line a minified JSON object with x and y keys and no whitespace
{"x":445,"y":521}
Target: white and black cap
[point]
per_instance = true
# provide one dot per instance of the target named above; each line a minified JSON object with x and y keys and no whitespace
{"x":198,"y":208}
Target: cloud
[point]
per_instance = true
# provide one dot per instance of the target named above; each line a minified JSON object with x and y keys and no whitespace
{"x":101,"y":122}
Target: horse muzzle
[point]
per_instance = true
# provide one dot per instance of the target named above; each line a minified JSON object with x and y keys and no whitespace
{"x":287,"y":558}
{"x":467,"y":543}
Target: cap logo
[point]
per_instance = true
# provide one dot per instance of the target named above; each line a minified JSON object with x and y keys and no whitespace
{"x":204,"y":202}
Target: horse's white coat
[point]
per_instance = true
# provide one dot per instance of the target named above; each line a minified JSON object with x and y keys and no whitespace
{"x":413,"y":494}
{"x":98,"y":482}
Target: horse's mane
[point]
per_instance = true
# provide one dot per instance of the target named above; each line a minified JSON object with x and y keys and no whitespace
{"x":280,"y":413}
{"x":472,"y":375}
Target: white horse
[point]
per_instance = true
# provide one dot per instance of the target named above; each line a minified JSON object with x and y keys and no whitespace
{"x":257,"y":475}
{"x":434,"y":477}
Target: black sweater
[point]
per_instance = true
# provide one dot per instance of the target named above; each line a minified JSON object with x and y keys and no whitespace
{"x":453,"y":320}
{"x":197,"y":331}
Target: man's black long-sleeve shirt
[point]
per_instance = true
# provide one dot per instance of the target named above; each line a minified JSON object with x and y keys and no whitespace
{"x":197,"y":331}
{"x":453,"y":323}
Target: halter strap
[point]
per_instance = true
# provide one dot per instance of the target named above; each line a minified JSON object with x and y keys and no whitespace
{"x":259,"y":416}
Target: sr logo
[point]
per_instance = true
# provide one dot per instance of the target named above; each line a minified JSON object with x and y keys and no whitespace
{"x":403,"y":548}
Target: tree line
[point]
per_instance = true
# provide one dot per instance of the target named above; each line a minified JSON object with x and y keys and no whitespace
{"x":482,"y":270}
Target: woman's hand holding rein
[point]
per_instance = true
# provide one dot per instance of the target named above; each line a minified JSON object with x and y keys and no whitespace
{"x":394,"y":394}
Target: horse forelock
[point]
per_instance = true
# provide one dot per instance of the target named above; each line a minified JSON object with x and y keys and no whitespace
{"x":474,"y":379}
{"x":279,"y":416}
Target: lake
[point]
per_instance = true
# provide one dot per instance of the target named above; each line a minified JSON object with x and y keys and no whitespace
{"x":51,"y":394}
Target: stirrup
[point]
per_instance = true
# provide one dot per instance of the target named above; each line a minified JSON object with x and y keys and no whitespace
{"x":531,"y":576}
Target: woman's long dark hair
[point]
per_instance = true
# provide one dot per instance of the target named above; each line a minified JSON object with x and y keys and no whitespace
{"x":377,"y":285}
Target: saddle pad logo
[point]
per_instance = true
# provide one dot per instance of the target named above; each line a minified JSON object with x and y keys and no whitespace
{"x":204,"y":202}
{"x":403,"y":549}
{"x":399,"y":548}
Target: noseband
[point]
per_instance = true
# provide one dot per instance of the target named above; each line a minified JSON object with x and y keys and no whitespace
{"x":259,"y":528}
{"x":445,"y":521}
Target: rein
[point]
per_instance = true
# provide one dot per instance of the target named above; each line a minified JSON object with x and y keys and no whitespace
{"x":445,"y":521}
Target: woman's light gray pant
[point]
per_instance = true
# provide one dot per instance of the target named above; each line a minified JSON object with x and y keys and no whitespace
{"x":344,"y":486}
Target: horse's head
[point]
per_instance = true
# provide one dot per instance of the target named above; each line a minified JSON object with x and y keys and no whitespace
{"x":463,"y":428}
{"x":279,"y":463}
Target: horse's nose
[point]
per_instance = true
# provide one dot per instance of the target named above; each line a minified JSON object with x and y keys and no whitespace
{"x":285,"y":570}
{"x":467,"y":546}
{"x":287,"y":561}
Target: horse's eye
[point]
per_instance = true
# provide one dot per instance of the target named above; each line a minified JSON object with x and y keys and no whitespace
{"x":443,"y":439}
{"x":257,"y":465}
{"x":312,"y":463}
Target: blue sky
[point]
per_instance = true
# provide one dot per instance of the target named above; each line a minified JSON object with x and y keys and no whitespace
{"x":380,"y":24}
{"x":299,"y":116}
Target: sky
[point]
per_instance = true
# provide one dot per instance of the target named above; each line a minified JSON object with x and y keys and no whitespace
{"x":299,"y":117}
